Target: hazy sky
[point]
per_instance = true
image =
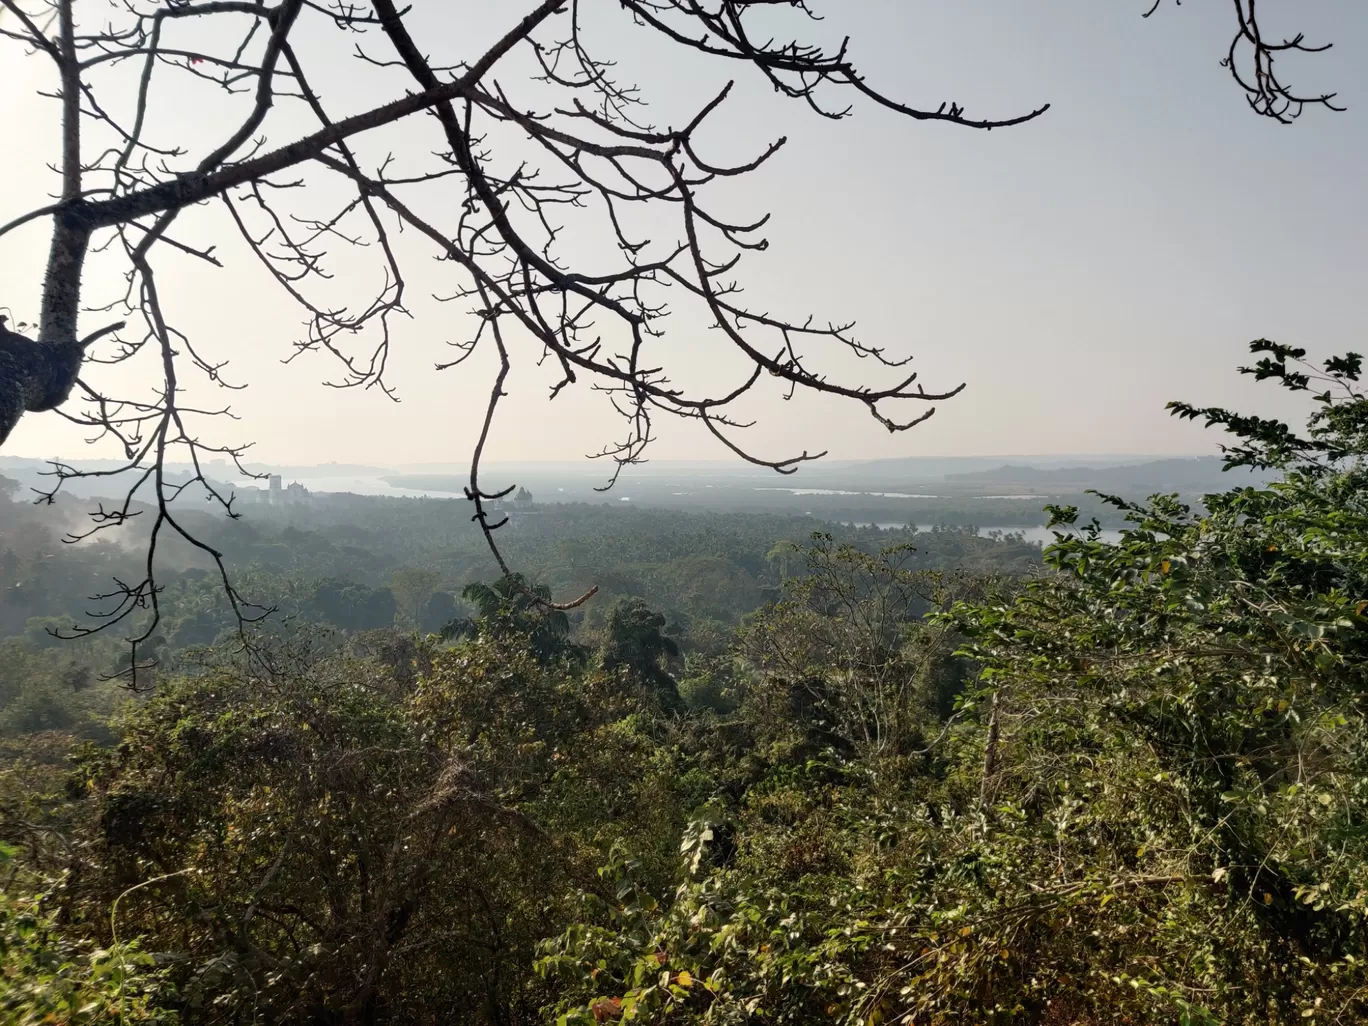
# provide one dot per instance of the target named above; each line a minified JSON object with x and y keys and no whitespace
{"x":1076,"y":272}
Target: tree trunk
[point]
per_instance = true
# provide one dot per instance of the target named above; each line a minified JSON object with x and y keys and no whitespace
{"x":990,"y":755}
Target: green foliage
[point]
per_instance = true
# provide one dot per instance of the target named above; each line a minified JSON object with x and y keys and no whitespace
{"x":412,"y":588}
{"x":438,"y":611}
{"x":53,"y":688}
{"x":353,"y":606}
{"x":1336,"y":432}
{"x":1130,"y":786}
{"x":1148,"y":809}
{"x":512,"y":607}
{"x":329,"y":847}
{"x":46,"y":976}
{"x":848,"y":657}
{"x":712,"y":684}
{"x":382,"y":802}
{"x":1214,"y":661}
{"x":634,"y":641}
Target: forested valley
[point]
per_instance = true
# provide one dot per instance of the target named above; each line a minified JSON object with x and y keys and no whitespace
{"x":834,"y":718}
{"x":766,"y":774}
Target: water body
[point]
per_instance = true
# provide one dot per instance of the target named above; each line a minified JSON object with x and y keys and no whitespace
{"x":1046,"y":535}
{"x":842,"y":491}
{"x":1036,"y":535}
{"x":376,"y":486}
{"x":354,"y":485}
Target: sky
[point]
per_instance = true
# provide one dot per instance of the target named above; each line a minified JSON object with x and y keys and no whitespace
{"x":1075,"y":273}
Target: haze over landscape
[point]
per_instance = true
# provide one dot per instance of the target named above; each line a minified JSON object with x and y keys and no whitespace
{"x":460,"y":564}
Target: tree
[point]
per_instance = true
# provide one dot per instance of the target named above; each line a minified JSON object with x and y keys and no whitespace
{"x":848,"y":653}
{"x":780,"y":553}
{"x":512,"y":606}
{"x":412,"y":588}
{"x":1170,"y":730}
{"x":635,"y":641}
{"x":340,"y":847}
{"x":1214,"y":659}
{"x":492,"y":218}
{"x":437,"y":612}
{"x":353,"y":606}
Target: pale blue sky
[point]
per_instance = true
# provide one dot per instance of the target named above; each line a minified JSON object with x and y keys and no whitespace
{"x":1076,"y":272}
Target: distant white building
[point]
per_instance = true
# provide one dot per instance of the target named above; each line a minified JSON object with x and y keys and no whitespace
{"x":280,"y":494}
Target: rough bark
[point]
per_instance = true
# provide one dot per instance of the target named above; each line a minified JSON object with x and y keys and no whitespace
{"x":38,"y":376}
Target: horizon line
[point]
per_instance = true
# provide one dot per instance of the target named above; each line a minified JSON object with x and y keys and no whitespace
{"x":585,"y":461}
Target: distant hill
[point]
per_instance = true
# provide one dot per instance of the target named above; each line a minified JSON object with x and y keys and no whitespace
{"x":1193,"y":474}
{"x":429,"y":482}
{"x":678,"y":482}
{"x":307,"y":470}
{"x":902,"y":472}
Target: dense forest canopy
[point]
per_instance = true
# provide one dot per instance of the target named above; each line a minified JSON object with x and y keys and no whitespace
{"x":853,"y":777}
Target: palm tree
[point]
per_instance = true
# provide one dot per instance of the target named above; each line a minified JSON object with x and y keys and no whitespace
{"x":635,"y":642}
{"x":512,"y":606}
{"x":781,"y":551}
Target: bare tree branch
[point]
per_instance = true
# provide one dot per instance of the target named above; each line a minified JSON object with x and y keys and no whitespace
{"x":1250,"y":62}
{"x":492,"y":214}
